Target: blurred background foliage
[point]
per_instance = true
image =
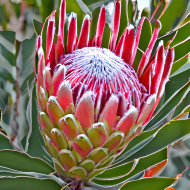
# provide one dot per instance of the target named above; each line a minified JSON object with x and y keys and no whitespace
{"x":21,"y":21}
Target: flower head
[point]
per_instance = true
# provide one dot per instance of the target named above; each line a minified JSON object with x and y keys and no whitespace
{"x":92,"y":100}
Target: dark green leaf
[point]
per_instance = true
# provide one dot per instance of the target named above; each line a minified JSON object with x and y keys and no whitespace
{"x":116,"y":172}
{"x":179,"y":63}
{"x":10,"y":57}
{"x":35,"y":145}
{"x":175,"y":83}
{"x":134,"y":145}
{"x":168,"y":134}
{"x":37,"y":26}
{"x":149,"y":183}
{"x":167,"y":108}
{"x":93,"y":4}
{"x":7,"y":76}
{"x":22,"y":162}
{"x":8,"y":35}
{"x":142,"y":164}
{"x":4,"y":142}
{"x":44,"y":31}
{"x":46,"y":8}
{"x":94,"y":21}
{"x":182,"y":106}
{"x":125,"y":15}
{"x":23,"y":183}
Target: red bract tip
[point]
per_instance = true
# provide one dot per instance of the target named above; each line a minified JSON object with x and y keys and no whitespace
{"x":72,"y":34}
{"x":166,"y":72}
{"x":60,"y":36}
{"x":84,"y":35}
{"x":137,"y":38}
{"x":158,"y":70}
{"x":119,"y":46}
{"x":115,"y":28}
{"x":100,"y":27}
{"x":50,"y":36}
{"x":128,"y":44}
{"x":147,"y":54}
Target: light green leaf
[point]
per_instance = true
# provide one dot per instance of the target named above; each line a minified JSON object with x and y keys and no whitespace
{"x":182,"y":49}
{"x":172,"y":14}
{"x":179,"y":63}
{"x":181,"y":35}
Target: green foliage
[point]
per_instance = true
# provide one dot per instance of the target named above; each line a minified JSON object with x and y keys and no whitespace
{"x":28,"y":183}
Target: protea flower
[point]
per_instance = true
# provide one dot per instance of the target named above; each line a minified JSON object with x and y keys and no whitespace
{"x":92,"y":100}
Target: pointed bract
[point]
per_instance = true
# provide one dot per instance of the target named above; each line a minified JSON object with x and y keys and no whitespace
{"x":85,"y":111}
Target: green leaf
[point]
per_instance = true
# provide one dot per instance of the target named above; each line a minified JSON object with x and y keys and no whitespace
{"x":4,"y":142}
{"x":94,"y":21}
{"x":154,"y":4}
{"x":168,"y":106}
{"x":123,"y":18}
{"x":156,"y":183}
{"x":93,"y":4}
{"x":29,"y":1}
{"x":167,"y":135}
{"x":142,"y":164}
{"x":182,"y":49}
{"x":181,"y":35}
{"x":134,"y":145}
{"x":9,"y":56}
{"x":8,"y":35}
{"x":73,"y":6}
{"x":23,"y":162}
{"x":166,"y":38}
{"x":106,"y":36}
{"x":175,"y":83}
{"x":28,"y":183}
{"x":187,"y":19}
{"x":46,"y":8}
{"x":172,"y":14}
{"x":183,"y":106}
{"x":178,"y":64}
{"x":116,"y":172}
{"x":7,"y":76}
{"x":35,"y":145}
{"x":37,"y":26}
{"x":146,"y":34}
{"x":44,"y":31}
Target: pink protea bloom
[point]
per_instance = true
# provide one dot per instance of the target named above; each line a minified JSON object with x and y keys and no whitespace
{"x":92,"y":101}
